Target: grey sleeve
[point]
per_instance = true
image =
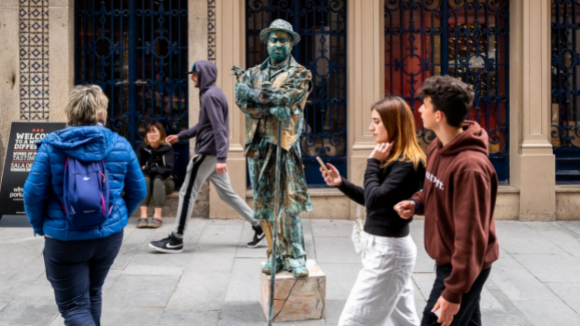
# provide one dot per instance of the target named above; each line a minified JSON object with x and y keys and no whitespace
{"x":189,"y":133}
{"x":213,"y":108}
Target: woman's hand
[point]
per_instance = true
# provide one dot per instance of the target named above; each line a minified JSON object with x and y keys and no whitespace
{"x":381,"y":151}
{"x":336,"y":180}
{"x":143,"y":168}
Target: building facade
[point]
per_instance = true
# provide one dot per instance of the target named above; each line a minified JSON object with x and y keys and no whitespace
{"x":521,"y":57}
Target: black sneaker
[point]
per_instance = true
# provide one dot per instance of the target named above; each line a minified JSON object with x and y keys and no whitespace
{"x":171,"y":244}
{"x":258,"y":237}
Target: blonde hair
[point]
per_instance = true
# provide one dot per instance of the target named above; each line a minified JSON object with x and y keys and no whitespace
{"x":86,"y":103}
{"x":397,"y":118}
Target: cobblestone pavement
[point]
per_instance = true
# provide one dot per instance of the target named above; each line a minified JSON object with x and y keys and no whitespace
{"x":216,"y":280}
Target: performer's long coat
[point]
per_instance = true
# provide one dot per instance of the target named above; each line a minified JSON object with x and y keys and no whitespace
{"x":285,"y":99}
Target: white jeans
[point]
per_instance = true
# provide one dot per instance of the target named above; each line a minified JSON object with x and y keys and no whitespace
{"x":383,"y":288}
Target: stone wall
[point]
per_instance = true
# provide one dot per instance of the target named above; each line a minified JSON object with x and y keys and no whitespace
{"x":30,"y":91}
{"x":9,"y":71}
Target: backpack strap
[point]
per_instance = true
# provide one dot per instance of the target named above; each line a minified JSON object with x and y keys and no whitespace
{"x":65,"y":166}
{"x":103,"y":205}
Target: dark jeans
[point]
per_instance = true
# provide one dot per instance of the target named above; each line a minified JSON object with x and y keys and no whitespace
{"x":77,"y":271}
{"x":469,"y":313}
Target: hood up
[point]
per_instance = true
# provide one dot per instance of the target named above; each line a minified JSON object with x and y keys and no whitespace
{"x":206,"y":74}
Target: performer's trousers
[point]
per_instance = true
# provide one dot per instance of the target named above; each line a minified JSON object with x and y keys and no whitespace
{"x":290,"y":242}
{"x":201,"y":168}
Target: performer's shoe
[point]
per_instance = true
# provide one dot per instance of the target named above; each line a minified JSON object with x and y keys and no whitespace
{"x":171,"y":244}
{"x":300,"y":272}
{"x":259,"y":237}
{"x":267,"y":269}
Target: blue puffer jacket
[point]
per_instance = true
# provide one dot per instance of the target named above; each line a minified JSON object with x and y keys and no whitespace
{"x":43,"y":188}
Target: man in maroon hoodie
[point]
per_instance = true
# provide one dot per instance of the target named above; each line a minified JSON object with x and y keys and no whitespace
{"x":458,"y":200}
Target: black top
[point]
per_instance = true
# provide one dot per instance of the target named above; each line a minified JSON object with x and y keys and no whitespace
{"x":383,"y":189}
{"x":158,"y":162}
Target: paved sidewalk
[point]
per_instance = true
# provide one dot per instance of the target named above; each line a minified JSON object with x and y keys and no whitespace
{"x":215,"y":281}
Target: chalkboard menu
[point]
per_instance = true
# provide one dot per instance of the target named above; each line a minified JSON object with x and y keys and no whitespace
{"x":20,"y":155}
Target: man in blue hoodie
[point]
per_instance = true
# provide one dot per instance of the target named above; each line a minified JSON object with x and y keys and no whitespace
{"x":211,"y":150}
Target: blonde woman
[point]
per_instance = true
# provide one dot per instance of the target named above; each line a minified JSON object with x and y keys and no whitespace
{"x":76,"y":259}
{"x":395,"y":171}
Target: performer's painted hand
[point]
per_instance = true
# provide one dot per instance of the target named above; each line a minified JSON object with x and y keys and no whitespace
{"x":406,"y":209}
{"x":170,"y":140}
{"x":242,"y":90}
{"x":381,"y":151}
{"x":336,"y":180}
{"x":221,"y":168}
{"x":448,"y":311}
{"x":282,"y":113}
{"x":238,"y":72}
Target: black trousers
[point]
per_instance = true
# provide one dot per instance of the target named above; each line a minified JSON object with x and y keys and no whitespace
{"x":469,"y":313}
{"x":77,"y":270}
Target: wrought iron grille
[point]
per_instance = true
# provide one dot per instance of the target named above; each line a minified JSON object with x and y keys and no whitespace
{"x":467,"y":39}
{"x":136,"y":51}
{"x":565,"y":89}
{"x":322,"y":50}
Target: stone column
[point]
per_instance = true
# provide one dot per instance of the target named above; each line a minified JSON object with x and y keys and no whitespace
{"x":9,"y":72}
{"x":230,"y":51}
{"x":61,"y":48}
{"x":197,"y":50}
{"x":197,"y":34}
{"x":365,"y":82}
{"x":532,"y":167}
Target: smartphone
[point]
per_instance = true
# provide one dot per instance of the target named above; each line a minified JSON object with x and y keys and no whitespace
{"x":438,"y":312}
{"x":324,"y":167}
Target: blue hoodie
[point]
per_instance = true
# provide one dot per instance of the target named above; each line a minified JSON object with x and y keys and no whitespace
{"x":44,"y":186}
{"x":213,"y":128}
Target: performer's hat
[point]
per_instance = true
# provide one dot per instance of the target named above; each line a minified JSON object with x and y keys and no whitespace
{"x":280,"y":25}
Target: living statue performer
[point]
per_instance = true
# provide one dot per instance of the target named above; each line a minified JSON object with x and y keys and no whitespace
{"x":274,"y":94}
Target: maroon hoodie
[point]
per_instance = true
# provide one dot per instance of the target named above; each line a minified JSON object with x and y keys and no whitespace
{"x":458,"y":200}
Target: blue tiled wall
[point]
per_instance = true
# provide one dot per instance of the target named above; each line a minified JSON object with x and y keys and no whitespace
{"x":33,"y":60}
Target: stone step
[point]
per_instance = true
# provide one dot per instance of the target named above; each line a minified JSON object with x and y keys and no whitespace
{"x":201,"y":208}
{"x":330,"y":203}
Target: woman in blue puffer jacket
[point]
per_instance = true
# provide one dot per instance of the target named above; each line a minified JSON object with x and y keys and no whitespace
{"x":77,"y":261}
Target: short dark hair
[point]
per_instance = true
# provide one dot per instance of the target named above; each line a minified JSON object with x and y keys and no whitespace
{"x":162,"y":134}
{"x":450,"y":96}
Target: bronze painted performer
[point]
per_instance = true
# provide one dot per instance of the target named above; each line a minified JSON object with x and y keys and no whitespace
{"x":273,"y":92}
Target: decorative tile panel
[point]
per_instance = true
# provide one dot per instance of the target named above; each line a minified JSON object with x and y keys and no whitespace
{"x":211,"y":30}
{"x":33,"y":54}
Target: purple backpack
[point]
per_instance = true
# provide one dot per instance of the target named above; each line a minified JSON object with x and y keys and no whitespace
{"x":85,"y":193}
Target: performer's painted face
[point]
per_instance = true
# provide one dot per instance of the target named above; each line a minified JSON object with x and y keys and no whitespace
{"x":279,"y":46}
